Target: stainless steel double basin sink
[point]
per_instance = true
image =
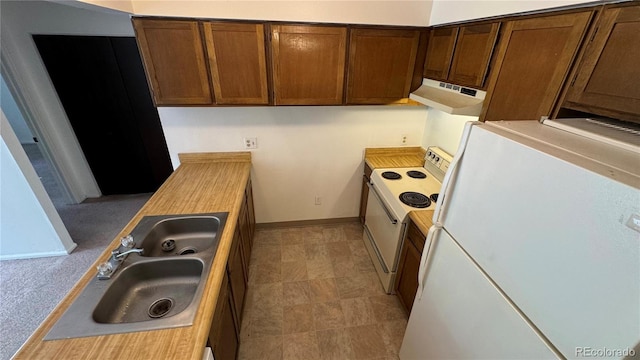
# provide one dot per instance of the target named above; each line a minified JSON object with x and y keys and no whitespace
{"x":157,"y":281}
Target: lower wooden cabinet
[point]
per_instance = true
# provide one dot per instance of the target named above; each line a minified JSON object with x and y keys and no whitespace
{"x":237,"y":278}
{"x":364,"y":194}
{"x":407,"y":277}
{"x":251,"y":214}
{"x":245,"y":235}
{"x":223,"y":336}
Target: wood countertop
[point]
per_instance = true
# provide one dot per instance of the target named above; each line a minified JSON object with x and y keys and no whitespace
{"x":394,"y":157}
{"x":203,"y":183}
{"x":422,"y":219}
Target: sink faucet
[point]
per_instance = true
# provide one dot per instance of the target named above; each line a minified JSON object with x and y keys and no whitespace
{"x":117,"y":254}
{"x":108,"y":268}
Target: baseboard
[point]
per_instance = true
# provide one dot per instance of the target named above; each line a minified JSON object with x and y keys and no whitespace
{"x":33,"y":255}
{"x":299,"y":223}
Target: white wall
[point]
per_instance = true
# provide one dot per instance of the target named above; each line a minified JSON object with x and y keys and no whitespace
{"x":444,"y":130}
{"x":31,"y":227}
{"x":18,"y":21}
{"x":118,"y":5}
{"x":446,"y":11}
{"x":13,"y":114}
{"x":302,"y":152}
{"x":387,"y":12}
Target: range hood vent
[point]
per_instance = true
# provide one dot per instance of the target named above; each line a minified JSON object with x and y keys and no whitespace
{"x":452,"y":99}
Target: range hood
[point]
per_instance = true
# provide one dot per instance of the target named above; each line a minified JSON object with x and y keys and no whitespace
{"x":452,"y":99}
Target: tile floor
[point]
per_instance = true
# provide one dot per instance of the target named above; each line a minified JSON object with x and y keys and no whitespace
{"x":314,"y":294}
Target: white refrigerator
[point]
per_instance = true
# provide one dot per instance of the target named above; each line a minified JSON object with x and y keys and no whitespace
{"x":534,"y":252}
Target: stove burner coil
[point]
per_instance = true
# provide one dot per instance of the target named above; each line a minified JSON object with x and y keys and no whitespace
{"x":434,"y":197}
{"x":391,"y":175}
{"x":415,"y":199}
{"x":416,"y":174}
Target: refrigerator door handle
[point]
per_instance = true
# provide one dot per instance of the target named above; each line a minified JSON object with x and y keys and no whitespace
{"x":449,"y":177}
{"x":427,"y":254}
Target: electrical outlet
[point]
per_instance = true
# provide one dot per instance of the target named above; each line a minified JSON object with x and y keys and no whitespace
{"x":250,"y":143}
{"x":403,"y":139}
{"x":318,"y":200}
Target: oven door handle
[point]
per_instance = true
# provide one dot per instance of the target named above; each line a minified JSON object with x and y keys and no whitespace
{"x":384,"y":207}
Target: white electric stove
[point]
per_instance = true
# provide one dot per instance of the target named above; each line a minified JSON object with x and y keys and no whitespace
{"x":393,"y":193}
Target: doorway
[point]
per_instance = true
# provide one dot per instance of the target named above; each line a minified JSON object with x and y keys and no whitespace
{"x":101,"y":84}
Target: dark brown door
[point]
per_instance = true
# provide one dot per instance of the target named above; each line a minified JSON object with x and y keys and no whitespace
{"x":608,"y":81}
{"x":308,"y":64}
{"x":223,"y":336}
{"x":237,"y":60}
{"x":472,"y":54}
{"x":381,"y":64}
{"x":440,"y":53}
{"x":101,"y":85}
{"x":408,"y":266}
{"x":532,"y":63}
{"x":174,"y":58}
{"x":237,"y":279}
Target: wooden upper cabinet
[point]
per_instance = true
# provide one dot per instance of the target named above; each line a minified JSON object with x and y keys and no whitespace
{"x":608,"y":79}
{"x":472,"y":54}
{"x":532,"y":63}
{"x":174,"y":60}
{"x":308,"y":64}
{"x":381,"y":64}
{"x":440,"y":53}
{"x":237,"y":62}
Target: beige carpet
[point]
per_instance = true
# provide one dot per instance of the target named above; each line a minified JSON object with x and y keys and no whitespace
{"x":31,"y":288}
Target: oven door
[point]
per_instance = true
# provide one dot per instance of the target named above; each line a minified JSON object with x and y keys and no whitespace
{"x":385,"y":230}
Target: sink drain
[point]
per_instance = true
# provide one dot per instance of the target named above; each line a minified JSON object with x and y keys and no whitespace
{"x":187,"y":251}
{"x":160,"y":307}
{"x":168,"y":245}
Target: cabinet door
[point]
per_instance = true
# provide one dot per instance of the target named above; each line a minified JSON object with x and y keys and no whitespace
{"x":308,"y":64}
{"x":237,"y":62}
{"x":381,"y":64}
{"x":473,"y":53}
{"x":251,"y":213}
{"x":245,"y":238}
{"x":237,"y":278}
{"x":440,"y":53}
{"x":223,"y":336}
{"x":608,"y":78}
{"x":174,"y":61}
{"x":364,"y":193}
{"x":407,"y":278}
{"x":532,"y":63}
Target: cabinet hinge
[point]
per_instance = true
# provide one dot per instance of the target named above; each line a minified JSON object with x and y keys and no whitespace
{"x":573,"y":81}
